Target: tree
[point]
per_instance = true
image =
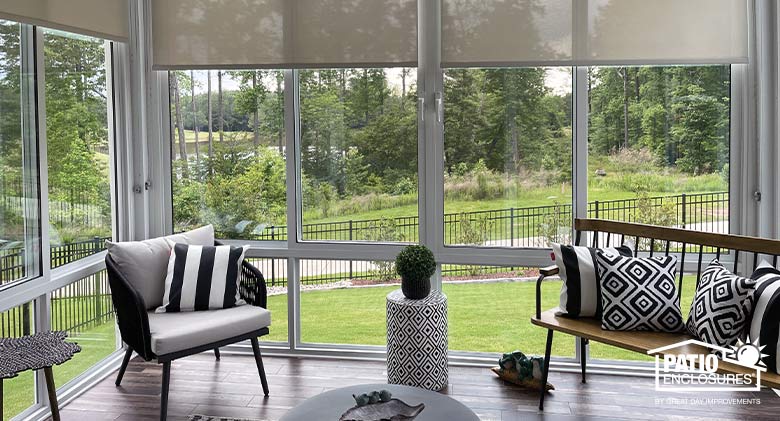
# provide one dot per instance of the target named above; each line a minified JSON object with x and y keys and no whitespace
{"x":195,"y":118}
{"x":696,"y":130}
{"x":210,"y":114}
{"x":173,"y":80}
{"x":221,"y":107}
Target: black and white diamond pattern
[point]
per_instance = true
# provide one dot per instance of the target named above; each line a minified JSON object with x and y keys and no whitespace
{"x":639,"y":293}
{"x":721,"y":307}
{"x":417,"y":340}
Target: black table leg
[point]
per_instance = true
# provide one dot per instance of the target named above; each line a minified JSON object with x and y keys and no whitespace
{"x":55,"y":410}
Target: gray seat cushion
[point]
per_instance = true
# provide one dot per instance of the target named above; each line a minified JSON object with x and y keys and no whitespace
{"x":172,"y":332}
{"x":145,"y":263}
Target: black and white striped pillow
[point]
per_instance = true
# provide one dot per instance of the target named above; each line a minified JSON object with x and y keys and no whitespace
{"x":765,"y":320}
{"x":202,"y":278}
{"x":580,"y":292}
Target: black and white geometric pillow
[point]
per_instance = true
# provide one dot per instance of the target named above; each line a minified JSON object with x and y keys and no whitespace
{"x":765,"y":321}
{"x":639,"y":293}
{"x":721,"y":306}
{"x":202,"y":278}
{"x":577,"y":269}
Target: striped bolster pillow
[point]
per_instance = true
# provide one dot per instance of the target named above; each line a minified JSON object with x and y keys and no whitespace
{"x":765,"y":321}
{"x":202,"y":278}
{"x":581,"y":289}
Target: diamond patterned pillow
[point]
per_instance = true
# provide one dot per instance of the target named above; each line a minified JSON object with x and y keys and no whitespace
{"x":721,"y":307}
{"x":639,"y":293}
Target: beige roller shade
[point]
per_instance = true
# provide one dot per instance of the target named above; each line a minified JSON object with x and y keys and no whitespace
{"x":98,"y":18}
{"x":586,"y":32}
{"x":667,"y":31}
{"x":228,"y":34}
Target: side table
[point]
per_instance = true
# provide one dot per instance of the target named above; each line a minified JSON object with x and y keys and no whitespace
{"x":417,"y":340}
{"x":39,"y":351}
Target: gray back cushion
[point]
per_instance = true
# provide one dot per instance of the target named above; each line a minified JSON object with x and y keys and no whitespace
{"x":145,"y":263}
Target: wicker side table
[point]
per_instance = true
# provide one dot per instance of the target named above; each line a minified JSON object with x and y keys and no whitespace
{"x":417,"y":340}
{"x":40,"y":351}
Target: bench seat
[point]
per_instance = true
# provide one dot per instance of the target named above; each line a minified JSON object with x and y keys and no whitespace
{"x":590,"y":328}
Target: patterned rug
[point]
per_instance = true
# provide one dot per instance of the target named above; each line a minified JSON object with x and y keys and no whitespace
{"x":210,"y":418}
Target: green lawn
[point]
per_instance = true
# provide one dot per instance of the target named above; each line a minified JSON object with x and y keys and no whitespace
{"x":486,"y":317}
{"x":96,"y":343}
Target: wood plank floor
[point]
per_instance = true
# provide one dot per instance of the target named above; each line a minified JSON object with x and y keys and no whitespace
{"x":231,"y":387}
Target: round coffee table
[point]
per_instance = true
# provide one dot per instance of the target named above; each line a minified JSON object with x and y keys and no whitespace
{"x":331,"y":404}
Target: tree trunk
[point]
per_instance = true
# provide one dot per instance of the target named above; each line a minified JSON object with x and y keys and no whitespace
{"x":174,"y":81}
{"x":210,"y":119}
{"x":221,"y":107}
{"x":623,"y":72}
{"x":404,"y":73}
{"x":366,"y":96}
{"x":256,"y":114}
{"x":195,"y":119}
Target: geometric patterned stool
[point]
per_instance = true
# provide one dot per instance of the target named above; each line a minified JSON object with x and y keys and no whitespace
{"x":417,"y":340}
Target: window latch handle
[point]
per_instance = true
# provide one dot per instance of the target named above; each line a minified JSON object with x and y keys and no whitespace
{"x":421,"y":107}
{"x":439,"y":107}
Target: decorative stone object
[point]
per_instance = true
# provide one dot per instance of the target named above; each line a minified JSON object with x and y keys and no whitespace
{"x":515,"y":367}
{"x":393,"y":410}
{"x":417,"y":340}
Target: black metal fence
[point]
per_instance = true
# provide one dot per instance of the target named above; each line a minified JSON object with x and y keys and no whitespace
{"x":524,"y":226}
{"x":75,"y":307}
{"x":87,"y":302}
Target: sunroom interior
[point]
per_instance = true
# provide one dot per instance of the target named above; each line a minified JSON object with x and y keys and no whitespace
{"x":326,"y":136}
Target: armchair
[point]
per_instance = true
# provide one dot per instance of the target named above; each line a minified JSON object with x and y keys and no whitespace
{"x":169,"y":336}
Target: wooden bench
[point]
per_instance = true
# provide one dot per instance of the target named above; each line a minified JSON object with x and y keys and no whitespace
{"x":699,"y":248}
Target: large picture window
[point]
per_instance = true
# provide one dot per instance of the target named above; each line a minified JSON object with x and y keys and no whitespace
{"x":359,"y":154}
{"x":507,"y":156}
{"x":77,"y":145}
{"x":227,"y":152}
{"x":19,"y":199}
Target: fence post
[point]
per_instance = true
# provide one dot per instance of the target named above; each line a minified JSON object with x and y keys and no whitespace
{"x":511,"y":227}
{"x":98,"y":299}
{"x":273,"y":233}
{"x":26,"y":319}
{"x":350,"y":239}
{"x":273,"y":272}
{"x":683,"y":210}
{"x":596,"y":208}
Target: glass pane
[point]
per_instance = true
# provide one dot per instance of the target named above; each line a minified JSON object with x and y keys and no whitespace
{"x":275,"y":273}
{"x":227,"y":147}
{"x":18,"y":392}
{"x":507,"y":156}
{"x":659,"y":145}
{"x":343,"y":301}
{"x":489,"y":308}
{"x":77,"y":144}
{"x":19,"y":216}
{"x":359,"y":154}
{"x":84,"y":310}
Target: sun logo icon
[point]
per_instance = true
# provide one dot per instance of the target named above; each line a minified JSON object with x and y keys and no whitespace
{"x":749,"y":353}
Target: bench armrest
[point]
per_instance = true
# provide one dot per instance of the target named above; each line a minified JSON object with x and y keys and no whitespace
{"x":543,"y":273}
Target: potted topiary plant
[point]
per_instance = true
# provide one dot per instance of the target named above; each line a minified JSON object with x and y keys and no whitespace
{"x":415,"y":264}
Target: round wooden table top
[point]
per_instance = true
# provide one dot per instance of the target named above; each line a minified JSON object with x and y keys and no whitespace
{"x":332,"y":404}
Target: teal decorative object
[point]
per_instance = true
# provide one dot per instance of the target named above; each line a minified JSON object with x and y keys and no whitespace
{"x":385,"y":395}
{"x":521,"y":370}
{"x":362,"y":399}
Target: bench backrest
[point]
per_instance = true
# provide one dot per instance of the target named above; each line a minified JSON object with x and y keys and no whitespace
{"x":654,"y":239}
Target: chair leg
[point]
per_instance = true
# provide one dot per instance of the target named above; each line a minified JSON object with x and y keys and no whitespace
{"x":216,"y":353}
{"x":122,"y":369}
{"x":166,"y":381}
{"x":546,"y":368}
{"x":259,"y":361}
{"x":583,"y":356}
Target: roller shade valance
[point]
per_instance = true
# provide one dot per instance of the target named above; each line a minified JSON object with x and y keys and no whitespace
{"x":106,"y":19}
{"x":593,"y":32}
{"x":229,"y":34}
